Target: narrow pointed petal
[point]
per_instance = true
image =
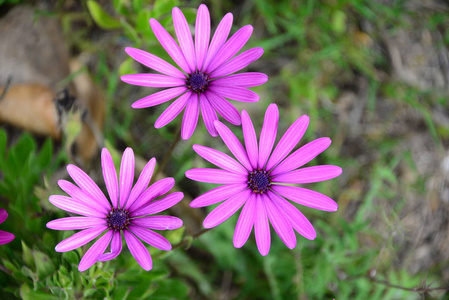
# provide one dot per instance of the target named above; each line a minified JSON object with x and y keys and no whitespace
{"x":6,"y":237}
{"x":262,"y":227}
{"x":154,"y":62}
{"x":280,"y":223}
{"x":172,"y":111}
{"x":110,"y":176}
{"x":126,"y":175}
{"x":159,"y":97}
{"x":116,"y":248}
{"x":215,"y":176}
{"x":268,"y":134}
{"x":158,"y":205}
{"x":158,"y":222}
{"x":151,"y":238}
{"x":95,"y":251}
{"x":78,"y":195}
{"x":142,"y":183}
{"x":80,"y":238}
{"x":202,"y":35}
{"x":190,"y":119}
{"x":169,"y":45}
{"x":218,"y":194}
{"x":220,"y":159}
{"x":219,"y":38}
{"x":88,"y":185}
{"x":138,"y":250}
{"x":249,"y":79}
{"x":153,"y":80}
{"x":306,"y":197}
{"x":288,"y":141}
{"x":299,"y":222}
{"x":231,"y":47}
{"x":209,"y":115}
{"x":233,"y":144}
{"x":249,"y":135}
{"x":184,"y":37}
{"x":74,"y":206}
{"x":224,"y":108}
{"x":3,"y":215}
{"x":235,"y":93}
{"x":245,"y":222}
{"x":226,"y":209}
{"x":74,"y":223}
{"x":309,"y":175}
{"x":157,"y":189}
{"x":302,"y":156}
{"x":237,"y":63}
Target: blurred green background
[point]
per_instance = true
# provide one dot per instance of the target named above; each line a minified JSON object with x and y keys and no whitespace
{"x":372,"y":75}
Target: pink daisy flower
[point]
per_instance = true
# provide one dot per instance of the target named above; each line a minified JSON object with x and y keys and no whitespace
{"x":261,"y":180}
{"x":5,"y":237}
{"x":205,"y":79}
{"x":127,"y":211}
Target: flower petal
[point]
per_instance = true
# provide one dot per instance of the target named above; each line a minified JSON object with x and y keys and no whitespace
{"x":6,"y":237}
{"x":151,"y":238}
{"x":95,"y":251}
{"x":142,"y":183}
{"x":154,"y":62}
{"x":224,"y":108}
{"x":78,"y":195}
{"x":280,"y":223}
{"x":226,"y":209}
{"x":233,"y":144}
{"x":74,"y":206}
{"x":249,"y":79}
{"x":159,"y":97}
{"x":249,"y":135}
{"x":268,"y":134}
{"x":288,"y":141}
{"x":261,"y":226}
{"x":80,"y":238}
{"x":231,"y":47}
{"x":157,"y":189}
{"x":169,"y":45}
{"x":3,"y":215}
{"x":209,"y":115}
{"x":173,"y":110}
{"x":235,"y":93}
{"x":116,"y":247}
{"x":219,"y":38}
{"x":138,"y":250}
{"x":158,"y":205}
{"x":245,"y":222}
{"x":190,"y":119}
{"x":88,"y":185}
{"x":184,"y":37}
{"x":202,"y":35}
{"x":302,"y":156}
{"x":110,"y":176}
{"x":158,"y":222}
{"x":306,"y":197}
{"x":126,"y":175}
{"x":309,"y":175}
{"x":220,"y":159}
{"x":218,"y":194}
{"x":237,"y":63}
{"x":153,"y":80}
{"x":74,"y":223}
{"x":215,"y":176}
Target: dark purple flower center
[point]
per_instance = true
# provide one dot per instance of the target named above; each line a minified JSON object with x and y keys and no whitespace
{"x":259,"y":181}
{"x":118,"y":219}
{"x":197,"y":82}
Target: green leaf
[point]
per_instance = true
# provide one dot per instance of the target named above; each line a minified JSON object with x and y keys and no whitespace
{"x":101,"y":17}
{"x":27,"y":255}
{"x":44,"y":265}
{"x":45,"y":155}
{"x":126,"y":67}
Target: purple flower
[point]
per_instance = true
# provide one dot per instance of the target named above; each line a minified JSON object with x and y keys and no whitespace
{"x":260,"y":180}
{"x":5,"y":237}
{"x":205,"y":79}
{"x":127,"y":211}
